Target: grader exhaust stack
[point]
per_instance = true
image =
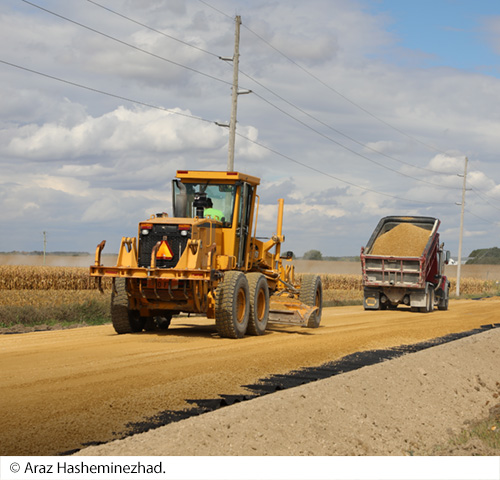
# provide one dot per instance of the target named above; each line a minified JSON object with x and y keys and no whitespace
{"x":206,"y":261}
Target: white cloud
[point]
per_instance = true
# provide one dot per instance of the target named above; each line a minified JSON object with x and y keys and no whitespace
{"x":121,"y":130}
{"x":91,"y":163}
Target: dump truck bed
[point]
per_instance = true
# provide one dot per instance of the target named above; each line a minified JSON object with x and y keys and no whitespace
{"x":401,"y":252}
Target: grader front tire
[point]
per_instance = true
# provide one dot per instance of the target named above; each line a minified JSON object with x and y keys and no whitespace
{"x":232,"y":305}
{"x":311,"y":293}
{"x":124,"y":320}
{"x":259,"y":304}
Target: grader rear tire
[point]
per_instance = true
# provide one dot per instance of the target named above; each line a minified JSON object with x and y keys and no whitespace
{"x":124,"y":320}
{"x":311,"y":293}
{"x":232,"y":306}
{"x":259,"y":304}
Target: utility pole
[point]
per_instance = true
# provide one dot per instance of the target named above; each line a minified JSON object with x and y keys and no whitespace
{"x":234,"y":97}
{"x":459,"y":266}
{"x":44,"y":245}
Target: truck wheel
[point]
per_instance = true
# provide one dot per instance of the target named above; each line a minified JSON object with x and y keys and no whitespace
{"x":311,"y":293}
{"x":232,"y":306}
{"x":259,"y":304}
{"x":429,"y":301}
{"x":124,"y":320}
{"x":443,"y":301}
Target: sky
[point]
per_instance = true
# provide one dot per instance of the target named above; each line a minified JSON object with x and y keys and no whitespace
{"x":359,"y":109}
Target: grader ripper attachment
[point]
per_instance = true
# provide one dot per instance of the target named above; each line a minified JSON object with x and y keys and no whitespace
{"x":205,"y":261}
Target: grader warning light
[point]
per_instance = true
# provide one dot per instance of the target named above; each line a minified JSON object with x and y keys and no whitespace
{"x":197,"y":264}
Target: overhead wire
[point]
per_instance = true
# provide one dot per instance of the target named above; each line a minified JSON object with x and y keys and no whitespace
{"x":121,"y":97}
{"x":339,"y":132}
{"x":171,"y":37}
{"x":212,"y":77}
{"x":262,"y":98}
{"x":315,"y":77}
{"x":317,"y":170}
{"x":102,"y":92}
{"x":353,"y":151}
{"x":481,"y":218}
{"x":479,"y":195}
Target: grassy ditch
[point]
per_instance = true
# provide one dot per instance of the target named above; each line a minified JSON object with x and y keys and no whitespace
{"x":51,"y":309}
{"x":479,"y":438}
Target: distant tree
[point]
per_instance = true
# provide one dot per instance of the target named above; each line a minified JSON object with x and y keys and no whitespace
{"x":484,"y":256}
{"x":313,"y":255}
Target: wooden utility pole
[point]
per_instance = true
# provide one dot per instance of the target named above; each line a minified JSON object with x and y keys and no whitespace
{"x":234,"y":96}
{"x":459,"y":266}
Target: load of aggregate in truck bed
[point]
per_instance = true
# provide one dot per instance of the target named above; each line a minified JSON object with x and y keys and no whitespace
{"x":404,"y":240}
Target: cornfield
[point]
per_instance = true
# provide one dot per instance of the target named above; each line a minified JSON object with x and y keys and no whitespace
{"x":351,"y":286}
{"x":27,"y":279}
{"x":48,"y":298}
{"x":24,"y":277}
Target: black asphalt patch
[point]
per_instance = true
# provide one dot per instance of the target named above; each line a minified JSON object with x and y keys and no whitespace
{"x":292,"y":379}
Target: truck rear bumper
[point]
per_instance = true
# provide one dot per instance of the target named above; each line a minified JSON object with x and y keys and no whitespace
{"x":375,"y":298}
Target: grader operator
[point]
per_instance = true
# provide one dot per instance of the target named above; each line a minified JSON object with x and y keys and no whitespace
{"x":205,"y":261}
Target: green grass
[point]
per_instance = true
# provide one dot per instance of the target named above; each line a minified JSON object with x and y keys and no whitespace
{"x":479,"y":438}
{"x":487,"y":431}
{"x":89,"y":312}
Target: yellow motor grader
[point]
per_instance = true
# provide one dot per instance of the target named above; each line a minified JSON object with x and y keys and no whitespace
{"x":205,"y":261}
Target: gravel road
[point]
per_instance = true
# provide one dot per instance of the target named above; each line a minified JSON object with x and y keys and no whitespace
{"x":407,"y":406}
{"x":70,"y":388}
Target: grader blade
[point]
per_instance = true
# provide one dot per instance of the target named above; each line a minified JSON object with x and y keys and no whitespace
{"x":290,"y":311}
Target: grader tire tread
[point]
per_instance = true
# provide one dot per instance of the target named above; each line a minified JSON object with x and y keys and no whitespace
{"x":311,"y":293}
{"x":256,"y":326}
{"x":225,"y":305}
{"x":124,"y":321}
{"x":119,"y":307}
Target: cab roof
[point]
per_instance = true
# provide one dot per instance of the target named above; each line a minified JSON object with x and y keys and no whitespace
{"x":196,"y":176}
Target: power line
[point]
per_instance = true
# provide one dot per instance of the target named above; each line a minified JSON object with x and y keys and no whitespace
{"x":128,"y":44}
{"x":341,"y":133}
{"x":481,"y":218}
{"x":216,"y":9}
{"x":484,"y":200}
{"x":337,"y":178}
{"x":280,"y":97}
{"x":152,"y":29}
{"x":353,"y":151}
{"x":315,"y":77}
{"x":102,"y":92}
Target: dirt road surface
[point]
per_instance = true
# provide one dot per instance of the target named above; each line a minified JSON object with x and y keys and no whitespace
{"x":65,"y":389}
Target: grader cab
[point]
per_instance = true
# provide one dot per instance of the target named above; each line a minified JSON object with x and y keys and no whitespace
{"x":205,"y":260}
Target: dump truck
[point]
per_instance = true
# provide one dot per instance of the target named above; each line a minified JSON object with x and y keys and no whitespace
{"x":207,"y":260}
{"x":403,"y":263}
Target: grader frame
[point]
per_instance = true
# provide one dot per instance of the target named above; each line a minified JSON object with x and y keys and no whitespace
{"x":205,"y":263}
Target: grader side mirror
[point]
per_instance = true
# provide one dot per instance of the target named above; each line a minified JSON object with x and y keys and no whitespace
{"x":287,"y":256}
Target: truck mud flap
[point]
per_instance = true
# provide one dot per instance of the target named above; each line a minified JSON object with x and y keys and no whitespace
{"x":371,"y":300}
